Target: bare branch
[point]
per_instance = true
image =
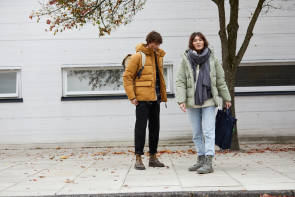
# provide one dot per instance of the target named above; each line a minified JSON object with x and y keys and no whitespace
{"x":232,"y":29}
{"x":268,"y":5}
{"x":222,"y":31}
{"x":215,"y":1}
{"x":249,"y":33}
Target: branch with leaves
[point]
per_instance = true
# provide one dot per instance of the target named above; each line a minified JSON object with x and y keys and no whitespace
{"x":69,"y":14}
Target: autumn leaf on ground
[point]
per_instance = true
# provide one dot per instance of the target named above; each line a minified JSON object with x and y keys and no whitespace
{"x":99,"y":154}
{"x":69,"y":181}
{"x":191,"y":151}
{"x":165,"y":151}
{"x":80,"y":156}
{"x":265,"y":195}
{"x":41,"y":177}
{"x":64,"y":157}
{"x":119,"y":153}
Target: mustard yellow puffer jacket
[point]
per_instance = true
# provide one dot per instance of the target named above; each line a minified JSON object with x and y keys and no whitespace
{"x":144,"y":88}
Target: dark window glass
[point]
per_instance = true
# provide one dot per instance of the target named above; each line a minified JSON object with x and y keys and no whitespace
{"x":283,"y":75}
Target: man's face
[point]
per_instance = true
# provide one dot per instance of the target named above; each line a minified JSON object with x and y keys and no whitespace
{"x":154,"y":46}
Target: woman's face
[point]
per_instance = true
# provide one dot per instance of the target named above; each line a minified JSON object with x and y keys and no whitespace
{"x":198,"y":43}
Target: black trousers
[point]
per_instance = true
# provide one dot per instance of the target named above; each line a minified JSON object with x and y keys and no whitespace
{"x":147,"y":111}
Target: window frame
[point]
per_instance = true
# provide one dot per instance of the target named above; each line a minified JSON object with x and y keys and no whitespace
{"x":266,"y":89}
{"x":114,"y":93}
{"x":18,"y":92}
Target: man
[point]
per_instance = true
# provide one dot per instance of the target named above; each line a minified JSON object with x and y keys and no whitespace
{"x":146,"y":92}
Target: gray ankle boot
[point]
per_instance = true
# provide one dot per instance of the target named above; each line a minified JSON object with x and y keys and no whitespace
{"x":207,"y":167}
{"x":200,"y":163}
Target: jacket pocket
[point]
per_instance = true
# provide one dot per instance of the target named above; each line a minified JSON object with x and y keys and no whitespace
{"x":143,"y":83}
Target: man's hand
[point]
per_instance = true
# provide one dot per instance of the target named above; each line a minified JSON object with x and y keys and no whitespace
{"x":182,"y":107}
{"x":227,"y":104}
{"x":134,"y":102}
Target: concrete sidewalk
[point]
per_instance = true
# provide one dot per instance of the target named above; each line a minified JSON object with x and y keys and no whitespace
{"x":35,"y":172}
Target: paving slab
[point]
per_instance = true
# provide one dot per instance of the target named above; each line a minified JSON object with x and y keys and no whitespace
{"x":110,"y":171}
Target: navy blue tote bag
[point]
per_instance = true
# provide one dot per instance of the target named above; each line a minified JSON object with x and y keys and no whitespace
{"x":224,"y":128}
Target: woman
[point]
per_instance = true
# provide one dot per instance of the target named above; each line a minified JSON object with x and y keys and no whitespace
{"x":199,"y":83}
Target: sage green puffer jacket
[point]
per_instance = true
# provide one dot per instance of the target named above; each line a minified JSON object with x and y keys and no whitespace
{"x":185,"y":88}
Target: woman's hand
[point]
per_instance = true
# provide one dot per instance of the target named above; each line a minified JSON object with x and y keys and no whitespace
{"x":182,"y":107}
{"x":227,"y":104}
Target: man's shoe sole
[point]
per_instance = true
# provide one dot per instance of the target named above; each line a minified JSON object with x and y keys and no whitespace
{"x":155,"y":166}
{"x":139,"y":168}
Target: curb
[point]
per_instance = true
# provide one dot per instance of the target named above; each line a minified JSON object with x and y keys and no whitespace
{"x":235,"y":193}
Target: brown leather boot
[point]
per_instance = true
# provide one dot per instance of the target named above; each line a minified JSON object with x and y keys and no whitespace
{"x":154,"y":162}
{"x":138,"y":164}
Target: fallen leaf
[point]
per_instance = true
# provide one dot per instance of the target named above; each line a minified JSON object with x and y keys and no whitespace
{"x":69,"y":181}
{"x":119,"y":153}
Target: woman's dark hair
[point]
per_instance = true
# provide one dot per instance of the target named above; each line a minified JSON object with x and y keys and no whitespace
{"x":192,"y":37}
{"x":154,"y":37}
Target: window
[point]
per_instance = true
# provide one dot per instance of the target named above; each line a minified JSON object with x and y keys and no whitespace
{"x":271,"y":77}
{"x":10,"y":82}
{"x":96,"y":80}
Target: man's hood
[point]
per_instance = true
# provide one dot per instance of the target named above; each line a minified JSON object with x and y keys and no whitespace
{"x":142,"y":48}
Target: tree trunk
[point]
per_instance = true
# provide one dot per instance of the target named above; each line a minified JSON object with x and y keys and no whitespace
{"x":230,"y":76}
{"x":235,"y":140}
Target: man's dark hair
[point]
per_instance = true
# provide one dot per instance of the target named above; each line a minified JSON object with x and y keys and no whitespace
{"x":154,"y":37}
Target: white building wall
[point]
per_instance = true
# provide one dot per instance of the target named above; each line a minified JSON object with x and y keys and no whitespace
{"x":44,"y":118}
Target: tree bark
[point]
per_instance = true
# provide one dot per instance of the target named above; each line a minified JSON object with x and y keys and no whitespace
{"x":231,"y":81}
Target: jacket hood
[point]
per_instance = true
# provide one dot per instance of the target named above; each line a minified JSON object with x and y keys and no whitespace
{"x":142,"y":48}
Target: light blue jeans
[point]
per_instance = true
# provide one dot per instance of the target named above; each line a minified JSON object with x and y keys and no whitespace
{"x":203,"y":125}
